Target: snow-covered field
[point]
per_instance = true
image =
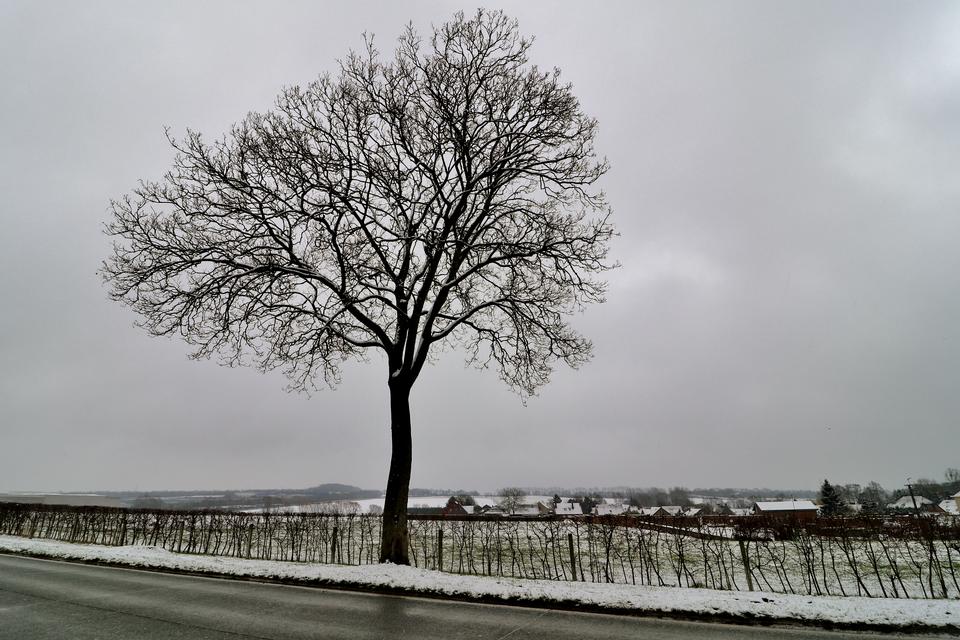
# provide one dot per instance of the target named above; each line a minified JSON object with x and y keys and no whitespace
{"x":426,"y":501}
{"x":943,"y":615}
{"x":375,"y":505}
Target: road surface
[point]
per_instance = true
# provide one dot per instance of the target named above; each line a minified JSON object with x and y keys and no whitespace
{"x":49,"y":599}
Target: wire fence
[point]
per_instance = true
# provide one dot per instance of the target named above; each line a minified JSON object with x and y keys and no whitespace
{"x":905,"y":557}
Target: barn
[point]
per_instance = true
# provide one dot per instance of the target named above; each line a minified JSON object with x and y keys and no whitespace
{"x":797,"y":510}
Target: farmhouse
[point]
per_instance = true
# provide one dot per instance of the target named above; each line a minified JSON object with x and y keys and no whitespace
{"x":454,"y":508}
{"x":667,"y":511}
{"x":568,"y":509}
{"x":787,"y":509}
{"x":526,"y":510}
{"x":907,"y":502}
{"x":605,"y":509}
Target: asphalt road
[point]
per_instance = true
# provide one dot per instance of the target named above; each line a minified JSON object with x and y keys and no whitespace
{"x":49,"y":599}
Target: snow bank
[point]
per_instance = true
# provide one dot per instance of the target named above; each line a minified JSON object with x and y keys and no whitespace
{"x":757,"y":606}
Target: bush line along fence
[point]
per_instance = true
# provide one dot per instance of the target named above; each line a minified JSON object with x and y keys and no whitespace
{"x":901,"y":557}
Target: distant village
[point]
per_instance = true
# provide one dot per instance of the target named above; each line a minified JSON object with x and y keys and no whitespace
{"x":796,"y":509}
{"x":922,"y":497}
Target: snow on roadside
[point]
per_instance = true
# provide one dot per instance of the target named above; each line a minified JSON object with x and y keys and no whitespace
{"x":820,"y":609}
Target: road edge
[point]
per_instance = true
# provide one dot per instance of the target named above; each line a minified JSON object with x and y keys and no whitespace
{"x":552,"y":604}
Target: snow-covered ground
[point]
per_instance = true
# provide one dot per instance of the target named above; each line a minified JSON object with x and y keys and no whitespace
{"x":943,"y":615}
{"x":365,"y":505}
{"x":441,"y":501}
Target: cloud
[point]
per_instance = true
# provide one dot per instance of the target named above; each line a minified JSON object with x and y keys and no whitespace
{"x":783,"y":179}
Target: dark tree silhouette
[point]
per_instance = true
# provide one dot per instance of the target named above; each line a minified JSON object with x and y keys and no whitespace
{"x":443,"y":195}
{"x":832,"y":503}
{"x":464,"y":499}
{"x":873,"y":498}
{"x":511,"y":498}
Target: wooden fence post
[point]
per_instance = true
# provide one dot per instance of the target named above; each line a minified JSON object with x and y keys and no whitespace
{"x":333,"y":545}
{"x":440,"y":549}
{"x":746,"y":564}
{"x":249,"y":538}
{"x":573,"y":557}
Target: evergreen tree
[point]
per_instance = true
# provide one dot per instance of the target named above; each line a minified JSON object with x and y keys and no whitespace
{"x":588,"y":502}
{"x":831,"y":503}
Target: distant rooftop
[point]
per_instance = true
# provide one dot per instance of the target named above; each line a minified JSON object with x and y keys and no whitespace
{"x":906,"y":502}
{"x":787,"y":505}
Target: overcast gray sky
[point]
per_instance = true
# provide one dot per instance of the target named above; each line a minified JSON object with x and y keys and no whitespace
{"x":784,"y":179}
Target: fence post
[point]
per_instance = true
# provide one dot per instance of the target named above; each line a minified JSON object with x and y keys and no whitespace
{"x":746,"y":564}
{"x":440,"y":548}
{"x":573,"y":557}
{"x":333,"y":546}
{"x":249,"y":538}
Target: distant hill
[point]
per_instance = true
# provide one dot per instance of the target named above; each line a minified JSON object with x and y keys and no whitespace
{"x":335,"y":491}
{"x":237,"y":499}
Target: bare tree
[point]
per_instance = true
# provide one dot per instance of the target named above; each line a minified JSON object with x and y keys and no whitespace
{"x":443,"y":195}
{"x":511,"y":498}
{"x":873,"y":497}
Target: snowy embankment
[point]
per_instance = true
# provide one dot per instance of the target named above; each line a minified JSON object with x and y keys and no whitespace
{"x":851,"y":612}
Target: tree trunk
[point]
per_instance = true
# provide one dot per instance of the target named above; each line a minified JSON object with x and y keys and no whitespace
{"x":394,"y":542}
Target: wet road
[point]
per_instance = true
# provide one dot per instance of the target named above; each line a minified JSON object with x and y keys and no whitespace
{"x":49,"y":599}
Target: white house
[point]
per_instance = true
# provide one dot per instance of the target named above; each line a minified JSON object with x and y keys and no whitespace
{"x":906,"y":502}
{"x":950,"y":506}
{"x":607,"y":509}
{"x":568,"y":509}
{"x":526,"y":510}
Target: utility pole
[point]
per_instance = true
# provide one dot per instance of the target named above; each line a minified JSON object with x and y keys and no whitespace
{"x":913,"y":498}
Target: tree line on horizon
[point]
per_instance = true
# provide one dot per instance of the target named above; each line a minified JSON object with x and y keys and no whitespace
{"x":872,"y":497}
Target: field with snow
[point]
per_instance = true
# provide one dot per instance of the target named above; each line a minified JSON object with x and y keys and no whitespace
{"x":375,"y":505}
